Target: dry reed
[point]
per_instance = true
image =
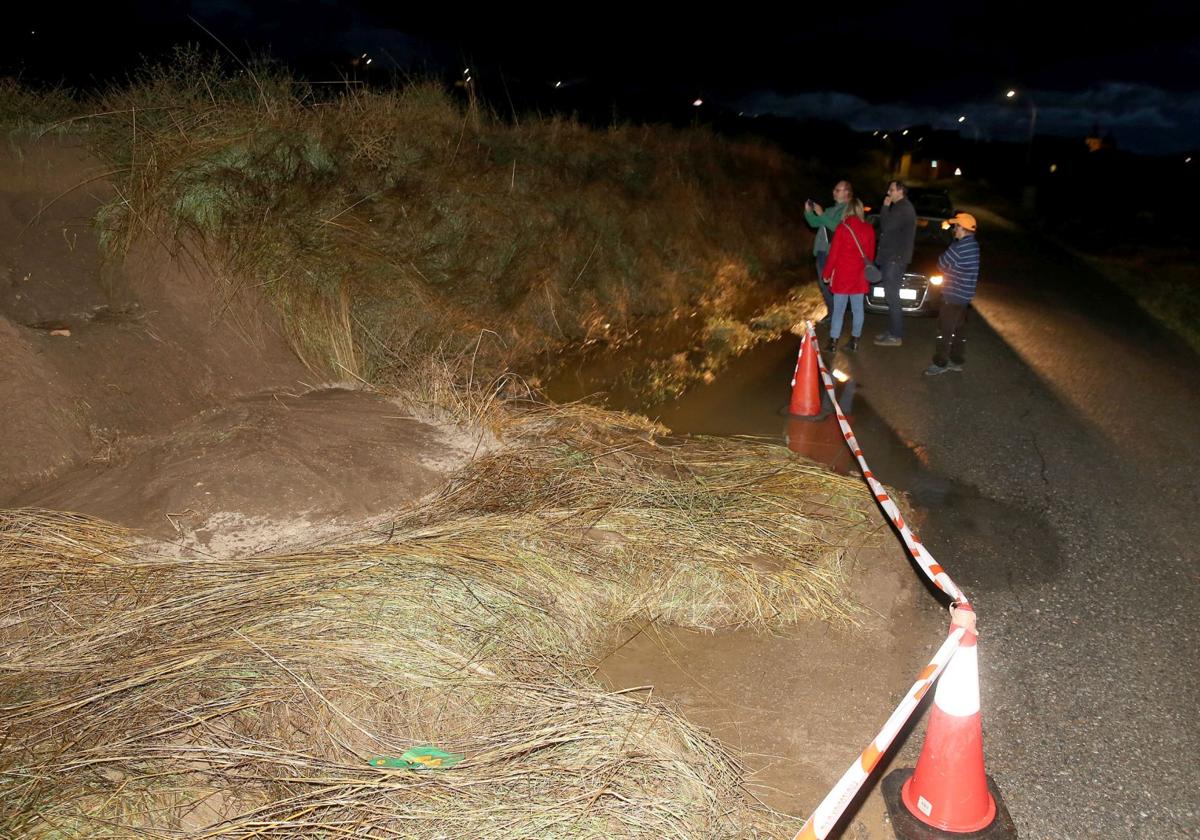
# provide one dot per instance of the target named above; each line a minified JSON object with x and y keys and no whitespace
{"x":157,"y":696}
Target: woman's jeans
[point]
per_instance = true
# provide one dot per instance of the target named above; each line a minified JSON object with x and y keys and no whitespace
{"x":839,"y":315}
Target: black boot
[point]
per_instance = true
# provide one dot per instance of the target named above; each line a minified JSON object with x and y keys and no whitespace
{"x":853,"y":345}
{"x":831,"y":347}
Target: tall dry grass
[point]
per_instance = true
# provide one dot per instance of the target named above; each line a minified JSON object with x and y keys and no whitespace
{"x":387,"y":224}
{"x":150,"y":695}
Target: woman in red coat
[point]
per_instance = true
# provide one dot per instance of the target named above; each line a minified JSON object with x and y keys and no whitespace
{"x":845,"y":272}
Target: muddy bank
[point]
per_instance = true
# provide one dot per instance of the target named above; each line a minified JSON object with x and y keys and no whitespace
{"x":95,"y":351}
{"x":795,"y":706}
{"x":331,"y":457}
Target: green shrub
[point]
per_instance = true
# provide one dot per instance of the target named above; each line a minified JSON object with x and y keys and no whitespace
{"x":724,"y":338}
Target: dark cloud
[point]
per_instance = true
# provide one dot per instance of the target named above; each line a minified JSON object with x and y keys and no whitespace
{"x":1141,"y":117}
{"x":889,"y":65}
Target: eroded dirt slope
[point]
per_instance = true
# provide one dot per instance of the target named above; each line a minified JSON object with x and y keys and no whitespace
{"x":142,"y":391}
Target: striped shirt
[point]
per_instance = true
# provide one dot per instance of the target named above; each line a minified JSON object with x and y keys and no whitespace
{"x":960,"y":264}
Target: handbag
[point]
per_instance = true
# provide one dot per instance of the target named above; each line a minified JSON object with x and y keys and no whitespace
{"x":874,"y":275}
{"x":822,"y":243}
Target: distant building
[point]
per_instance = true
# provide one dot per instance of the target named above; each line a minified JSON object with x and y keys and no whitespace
{"x":1097,"y":142}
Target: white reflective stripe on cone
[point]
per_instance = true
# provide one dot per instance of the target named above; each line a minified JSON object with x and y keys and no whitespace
{"x":957,"y":691}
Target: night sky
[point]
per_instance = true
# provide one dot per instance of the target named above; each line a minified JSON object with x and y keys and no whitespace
{"x":1134,"y":73}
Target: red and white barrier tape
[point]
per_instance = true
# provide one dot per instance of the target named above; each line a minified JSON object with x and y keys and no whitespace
{"x":825,"y":817}
{"x":921,"y":554}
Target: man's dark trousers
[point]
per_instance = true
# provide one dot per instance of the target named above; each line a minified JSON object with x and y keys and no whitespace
{"x":820,"y":258}
{"x":952,"y":337}
{"x":893,"y":279}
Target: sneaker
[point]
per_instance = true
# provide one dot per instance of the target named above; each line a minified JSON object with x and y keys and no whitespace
{"x":853,"y":345}
{"x":886,"y":340}
{"x":955,"y":366}
{"x":831,"y":347}
{"x":934,"y":370}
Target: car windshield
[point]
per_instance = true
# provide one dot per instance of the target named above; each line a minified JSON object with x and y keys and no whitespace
{"x":932,"y":207}
{"x":934,"y":203}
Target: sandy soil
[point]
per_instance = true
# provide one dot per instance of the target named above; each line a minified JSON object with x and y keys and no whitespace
{"x":125,"y":401}
{"x":328,"y":458}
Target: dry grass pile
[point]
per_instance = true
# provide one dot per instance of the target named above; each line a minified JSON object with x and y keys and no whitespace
{"x":708,"y":533}
{"x":148,"y":696}
{"x":388,"y":223}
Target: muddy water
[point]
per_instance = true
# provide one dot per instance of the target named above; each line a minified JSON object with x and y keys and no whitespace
{"x":748,"y":398}
{"x":797,"y":707}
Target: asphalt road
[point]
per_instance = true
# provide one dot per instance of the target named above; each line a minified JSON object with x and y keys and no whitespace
{"x":1060,"y":476}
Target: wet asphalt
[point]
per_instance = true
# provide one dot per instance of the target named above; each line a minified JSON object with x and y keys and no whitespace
{"x":1059,"y":484}
{"x":1075,"y":426}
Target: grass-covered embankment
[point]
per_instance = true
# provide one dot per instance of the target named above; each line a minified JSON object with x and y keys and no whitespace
{"x":389,"y":225}
{"x":1165,"y":283}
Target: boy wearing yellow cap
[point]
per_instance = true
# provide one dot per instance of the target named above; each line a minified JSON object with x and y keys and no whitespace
{"x":960,"y":266}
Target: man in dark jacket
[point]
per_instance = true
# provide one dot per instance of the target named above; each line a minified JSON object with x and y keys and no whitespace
{"x":897,"y":232}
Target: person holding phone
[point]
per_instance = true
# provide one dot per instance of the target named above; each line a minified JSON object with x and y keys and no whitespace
{"x":826,"y":222}
{"x":897,"y":233}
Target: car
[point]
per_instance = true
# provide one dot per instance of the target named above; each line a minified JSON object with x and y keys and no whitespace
{"x":921,"y":290}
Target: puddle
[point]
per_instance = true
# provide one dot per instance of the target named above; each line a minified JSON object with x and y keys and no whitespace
{"x":747,"y":398}
{"x":794,"y":708}
{"x":955,"y":519}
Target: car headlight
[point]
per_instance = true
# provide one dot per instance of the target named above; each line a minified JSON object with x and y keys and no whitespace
{"x":936,"y":280}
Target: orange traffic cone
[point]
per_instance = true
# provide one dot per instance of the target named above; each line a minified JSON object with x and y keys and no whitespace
{"x":949,"y":790}
{"x":806,"y":382}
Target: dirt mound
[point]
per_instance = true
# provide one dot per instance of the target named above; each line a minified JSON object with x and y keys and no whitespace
{"x":40,"y":421}
{"x":93,"y":351}
{"x":325,"y":457}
